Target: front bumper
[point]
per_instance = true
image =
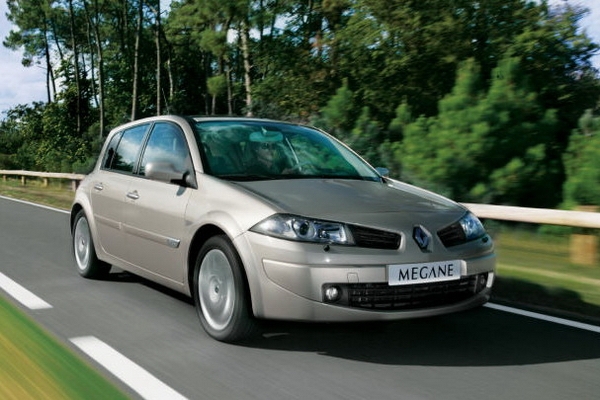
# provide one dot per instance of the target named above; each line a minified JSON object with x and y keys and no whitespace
{"x":292,"y":288}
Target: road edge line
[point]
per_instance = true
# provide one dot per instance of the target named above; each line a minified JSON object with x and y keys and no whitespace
{"x":134,"y":376}
{"x":21,"y":294}
{"x":556,"y":320}
{"x":35,"y":204}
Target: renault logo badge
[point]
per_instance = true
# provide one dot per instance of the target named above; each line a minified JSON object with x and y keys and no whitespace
{"x":422,"y":237}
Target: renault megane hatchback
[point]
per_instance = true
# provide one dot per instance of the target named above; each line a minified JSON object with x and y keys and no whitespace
{"x":264,"y":219}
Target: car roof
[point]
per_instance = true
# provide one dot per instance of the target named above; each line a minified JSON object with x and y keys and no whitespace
{"x":201,"y":118}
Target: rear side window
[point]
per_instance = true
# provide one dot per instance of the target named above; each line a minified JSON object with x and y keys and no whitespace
{"x":111,"y":150}
{"x":127,"y":151}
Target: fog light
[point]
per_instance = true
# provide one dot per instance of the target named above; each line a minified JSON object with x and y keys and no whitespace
{"x":332,"y":293}
{"x":481,"y":283}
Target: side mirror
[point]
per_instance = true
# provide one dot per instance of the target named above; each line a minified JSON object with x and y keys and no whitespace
{"x":164,"y":172}
{"x":384,"y":172}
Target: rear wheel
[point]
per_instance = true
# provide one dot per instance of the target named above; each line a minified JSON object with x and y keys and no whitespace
{"x":88,"y":264}
{"x":220,"y":293}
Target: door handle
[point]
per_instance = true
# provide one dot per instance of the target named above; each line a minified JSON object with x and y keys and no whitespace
{"x":99,"y":186}
{"x":133,"y":195}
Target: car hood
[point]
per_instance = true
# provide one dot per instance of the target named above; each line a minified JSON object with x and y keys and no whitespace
{"x":356,"y":201}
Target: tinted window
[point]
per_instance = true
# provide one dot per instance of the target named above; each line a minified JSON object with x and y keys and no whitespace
{"x":111,"y":149}
{"x":128,"y":149}
{"x":166,"y":145}
{"x":255,"y":150}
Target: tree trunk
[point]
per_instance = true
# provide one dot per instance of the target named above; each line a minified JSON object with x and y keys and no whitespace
{"x":93,"y":20}
{"x":76,"y":67}
{"x":136,"y":56}
{"x":244,"y":33}
{"x":49,"y":73}
{"x":158,"y":61}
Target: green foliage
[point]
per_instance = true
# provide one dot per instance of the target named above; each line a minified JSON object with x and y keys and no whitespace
{"x":582,"y":162}
{"x":364,"y":136}
{"x":399,"y":123}
{"x":474,"y":99}
{"x":217,"y":85}
{"x":336,"y":116}
{"x":486,"y":146}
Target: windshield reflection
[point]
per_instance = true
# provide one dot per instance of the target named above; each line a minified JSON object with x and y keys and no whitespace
{"x":263,"y":150}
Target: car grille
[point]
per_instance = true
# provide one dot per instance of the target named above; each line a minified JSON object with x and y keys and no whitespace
{"x":381,"y":296}
{"x":452,"y":235}
{"x":375,"y":238}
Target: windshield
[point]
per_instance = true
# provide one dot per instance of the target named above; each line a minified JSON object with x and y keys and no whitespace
{"x":258,"y":150}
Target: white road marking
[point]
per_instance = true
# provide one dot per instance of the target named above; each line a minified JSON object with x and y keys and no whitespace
{"x":22,"y":295}
{"x":134,"y":376}
{"x":561,"y":321}
{"x":34,"y":204}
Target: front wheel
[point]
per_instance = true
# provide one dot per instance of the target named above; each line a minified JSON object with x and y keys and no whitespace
{"x":220,"y":293}
{"x":88,"y":264}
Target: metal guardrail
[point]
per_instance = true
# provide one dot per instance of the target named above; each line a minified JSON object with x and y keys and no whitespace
{"x":581,"y":219}
{"x":74,"y":178}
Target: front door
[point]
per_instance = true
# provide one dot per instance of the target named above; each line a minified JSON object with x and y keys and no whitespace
{"x":155,"y":212}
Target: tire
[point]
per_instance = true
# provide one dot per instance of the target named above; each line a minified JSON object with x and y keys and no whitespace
{"x":84,"y":252}
{"x":220,"y":292}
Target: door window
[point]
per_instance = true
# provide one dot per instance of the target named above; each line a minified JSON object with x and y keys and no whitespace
{"x":128,"y":149}
{"x":166,"y":145}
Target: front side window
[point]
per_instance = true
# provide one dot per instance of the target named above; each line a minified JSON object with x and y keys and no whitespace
{"x":128,"y":149}
{"x":166,"y":145}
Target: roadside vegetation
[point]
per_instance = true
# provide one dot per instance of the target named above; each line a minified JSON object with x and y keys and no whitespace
{"x":535,"y":271}
{"x":35,"y":366}
{"x":485,"y":102}
{"x":56,"y":194}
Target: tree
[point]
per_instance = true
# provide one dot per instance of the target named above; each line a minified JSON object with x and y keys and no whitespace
{"x":336,"y":116}
{"x":473,"y":147}
{"x":34,"y":35}
{"x":493,"y":88}
{"x":582,"y":162}
{"x":365,"y":136}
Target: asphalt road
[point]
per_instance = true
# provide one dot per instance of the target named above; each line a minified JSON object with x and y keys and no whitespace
{"x":484,"y":353}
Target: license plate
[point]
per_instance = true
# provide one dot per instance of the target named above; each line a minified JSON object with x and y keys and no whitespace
{"x":410,"y":274}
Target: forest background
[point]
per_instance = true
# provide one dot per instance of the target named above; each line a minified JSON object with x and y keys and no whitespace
{"x":491,"y":101}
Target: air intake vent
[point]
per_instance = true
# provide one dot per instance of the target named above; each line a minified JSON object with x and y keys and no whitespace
{"x":453,"y":235}
{"x":382,"y":297}
{"x":375,"y":238}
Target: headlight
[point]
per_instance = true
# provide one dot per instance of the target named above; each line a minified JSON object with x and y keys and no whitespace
{"x":294,"y":227}
{"x":472,"y":227}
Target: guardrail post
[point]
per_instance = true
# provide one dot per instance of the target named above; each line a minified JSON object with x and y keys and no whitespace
{"x":23,"y":180}
{"x":583,"y":247}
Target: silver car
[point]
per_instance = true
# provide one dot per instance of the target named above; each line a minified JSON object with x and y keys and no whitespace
{"x":261,"y":219}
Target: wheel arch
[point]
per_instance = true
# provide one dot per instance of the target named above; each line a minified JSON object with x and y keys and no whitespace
{"x":74,"y":211}
{"x":202,"y":235}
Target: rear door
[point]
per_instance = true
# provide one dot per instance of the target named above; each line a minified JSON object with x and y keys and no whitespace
{"x":109,"y":188}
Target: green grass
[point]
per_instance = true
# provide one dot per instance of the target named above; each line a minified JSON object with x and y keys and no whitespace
{"x":535,"y":271}
{"x":57,"y":194}
{"x":33,"y":365}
